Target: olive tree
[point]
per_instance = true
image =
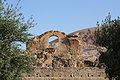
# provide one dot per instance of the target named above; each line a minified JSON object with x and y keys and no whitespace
{"x":14,"y":31}
{"x":108,"y":35}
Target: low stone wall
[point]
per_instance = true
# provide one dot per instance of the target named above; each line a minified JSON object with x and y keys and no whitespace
{"x":66,"y":78}
{"x":86,"y":73}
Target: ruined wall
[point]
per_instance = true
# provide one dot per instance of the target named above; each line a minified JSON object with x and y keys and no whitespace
{"x":67,"y":61}
{"x":86,"y":73}
{"x":42,"y":41}
{"x":67,"y":53}
{"x":66,"y":78}
{"x":63,"y":43}
{"x":72,"y":50}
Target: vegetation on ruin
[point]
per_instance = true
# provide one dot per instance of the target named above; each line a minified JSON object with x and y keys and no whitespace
{"x":14,"y":31}
{"x":108,"y":35}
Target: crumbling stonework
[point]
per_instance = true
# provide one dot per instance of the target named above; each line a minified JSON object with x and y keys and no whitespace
{"x":69,"y":72}
{"x":41,"y":42}
{"x":65,"y":58}
{"x":87,"y":73}
{"x":67,"y":51}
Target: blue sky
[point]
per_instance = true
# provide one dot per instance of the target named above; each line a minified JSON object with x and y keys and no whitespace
{"x":67,"y":15}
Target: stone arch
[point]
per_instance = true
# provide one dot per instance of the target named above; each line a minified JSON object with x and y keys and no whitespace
{"x":44,"y":38}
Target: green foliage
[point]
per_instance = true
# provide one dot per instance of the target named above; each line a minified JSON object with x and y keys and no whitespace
{"x":13,"y":29}
{"x":108,"y":35}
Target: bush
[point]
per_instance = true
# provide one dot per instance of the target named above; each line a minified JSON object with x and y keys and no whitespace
{"x":108,"y":35}
{"x":13,"y":30}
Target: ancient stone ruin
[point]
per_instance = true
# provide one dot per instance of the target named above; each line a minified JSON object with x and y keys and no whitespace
{"x":70,"y":57}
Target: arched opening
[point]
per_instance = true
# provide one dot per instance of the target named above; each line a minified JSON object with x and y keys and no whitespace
{"x":53,"y":40}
